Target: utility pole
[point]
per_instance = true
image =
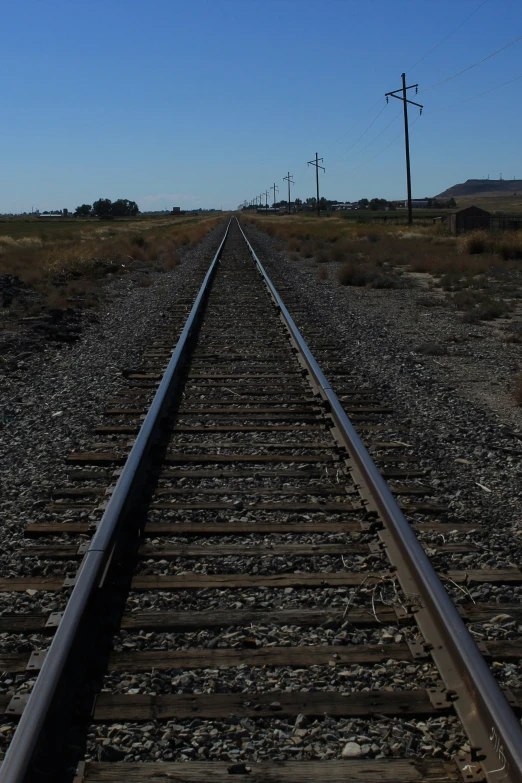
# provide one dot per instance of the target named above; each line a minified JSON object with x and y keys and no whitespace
{"x":274,"y":188}
{"x":317,"y":167}
{"x":405,"y":101}
{"x":266,"y":199}
{"x":290,"y":182}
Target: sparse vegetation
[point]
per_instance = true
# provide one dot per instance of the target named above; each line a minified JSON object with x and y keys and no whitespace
{"x":63,"y":267}
{"x":428,"y":301}
{"x":486,"y":311}
{"x":322,"y":273}
{"x":475,"y":243}
{"x":358,"y":274}
{"x":432,"y":349}
{"x":517,"y":391}
{"x":476,"y":270}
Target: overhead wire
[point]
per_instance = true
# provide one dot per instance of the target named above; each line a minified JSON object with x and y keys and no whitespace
{"x":472,"y":97}
{"x":399,"y":113}
{"x":444,"y":108}
{"x":448,"y":35}
{"x":357,"y":140}
{"x":464,"y":70}
{"x":426,"y":89}
{"x":380,"y":134}
{"x":386,"y":147}
{"x":350,"y":129}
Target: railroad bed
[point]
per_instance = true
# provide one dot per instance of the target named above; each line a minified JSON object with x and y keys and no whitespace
{"x":233,"y":590}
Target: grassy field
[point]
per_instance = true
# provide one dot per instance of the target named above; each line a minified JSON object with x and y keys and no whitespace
{"x":70,"y":228}
{"x":423,"y":216}
{"x":59,"y":259}
{"x":512,"y":205}
{"x":479,"y":272}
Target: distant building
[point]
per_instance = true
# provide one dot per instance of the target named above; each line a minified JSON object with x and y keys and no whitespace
{"x":468,"y":219}
{"x":176,"y":210}
{"x":343,"y":205}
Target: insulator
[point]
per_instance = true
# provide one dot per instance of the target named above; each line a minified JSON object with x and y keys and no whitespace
{"x":387,"y":99}
{"x":416,"y":90}
{"x":420,"y":111}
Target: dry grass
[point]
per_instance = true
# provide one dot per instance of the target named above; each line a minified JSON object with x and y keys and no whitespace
{"x":322,"y":273}
{"x":69,"y":265}
{"x":361,"y":274}
{"x":483,"y":265}
{"x":517,"y":391}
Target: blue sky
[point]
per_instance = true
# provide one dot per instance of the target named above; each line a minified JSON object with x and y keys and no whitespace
{"x":209,"y":102}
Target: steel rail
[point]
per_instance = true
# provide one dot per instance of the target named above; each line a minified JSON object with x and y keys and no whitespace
{"x":486,"y":715}
{"x":25,"y":740}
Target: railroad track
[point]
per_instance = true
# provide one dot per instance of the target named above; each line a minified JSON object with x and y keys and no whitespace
{"x":226,"y":586}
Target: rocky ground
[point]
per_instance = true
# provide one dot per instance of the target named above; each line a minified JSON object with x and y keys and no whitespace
{"x":51,"y":399}
{"x":52,"y":391}
{"x":457,"y":402}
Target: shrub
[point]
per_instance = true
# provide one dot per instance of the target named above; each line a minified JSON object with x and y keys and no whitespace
{"x":352,"y":274}
{"x":322,"y":273}
{"x":517,"y":391}
{"x":428,"y":301}
{"x":432,"y":349}
{"x":323,"y":255}
{"x":170,"y":262}
{"x":486,"y":311}
{"x":510,"y":250}
{"x":359,"y":275}
{"x":307,"y":249}
{"x":476,"y":242}
{"x":475,"y":245}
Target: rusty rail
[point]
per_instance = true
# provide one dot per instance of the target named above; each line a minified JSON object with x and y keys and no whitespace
{"x":20,"y":753}
{"x":494,"y":732}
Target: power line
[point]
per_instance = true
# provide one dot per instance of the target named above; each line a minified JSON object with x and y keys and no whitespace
{"x":350,"y":129}
{"x":405,"y":101}
{"x":362,"y":134}
{"x":317,"y":167}
{"x":384,"y":148}
{"x":433,"y":111}
{"x":448,"y":35}
{"x":489,"y":56}
{"x":472,"y":98}
{"x":290,"y":182}
{"x":380,"y":134}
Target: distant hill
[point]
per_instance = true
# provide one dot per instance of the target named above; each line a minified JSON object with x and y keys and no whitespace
{"x":484,"y":188}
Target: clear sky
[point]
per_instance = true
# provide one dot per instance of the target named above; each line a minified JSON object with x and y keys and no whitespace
{"x":209,"y":102}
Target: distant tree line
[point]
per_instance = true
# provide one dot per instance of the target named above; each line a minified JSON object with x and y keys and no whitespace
{"x":104,"y":207}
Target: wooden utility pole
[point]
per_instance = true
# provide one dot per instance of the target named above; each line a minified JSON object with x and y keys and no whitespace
{"x":405,"y":102}
{"x":274,"y":188}
{"x":290,"y":181}
{"x":317,"y":167}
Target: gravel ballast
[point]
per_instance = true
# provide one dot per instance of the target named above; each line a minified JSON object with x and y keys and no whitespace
{"x":53,"y":399}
